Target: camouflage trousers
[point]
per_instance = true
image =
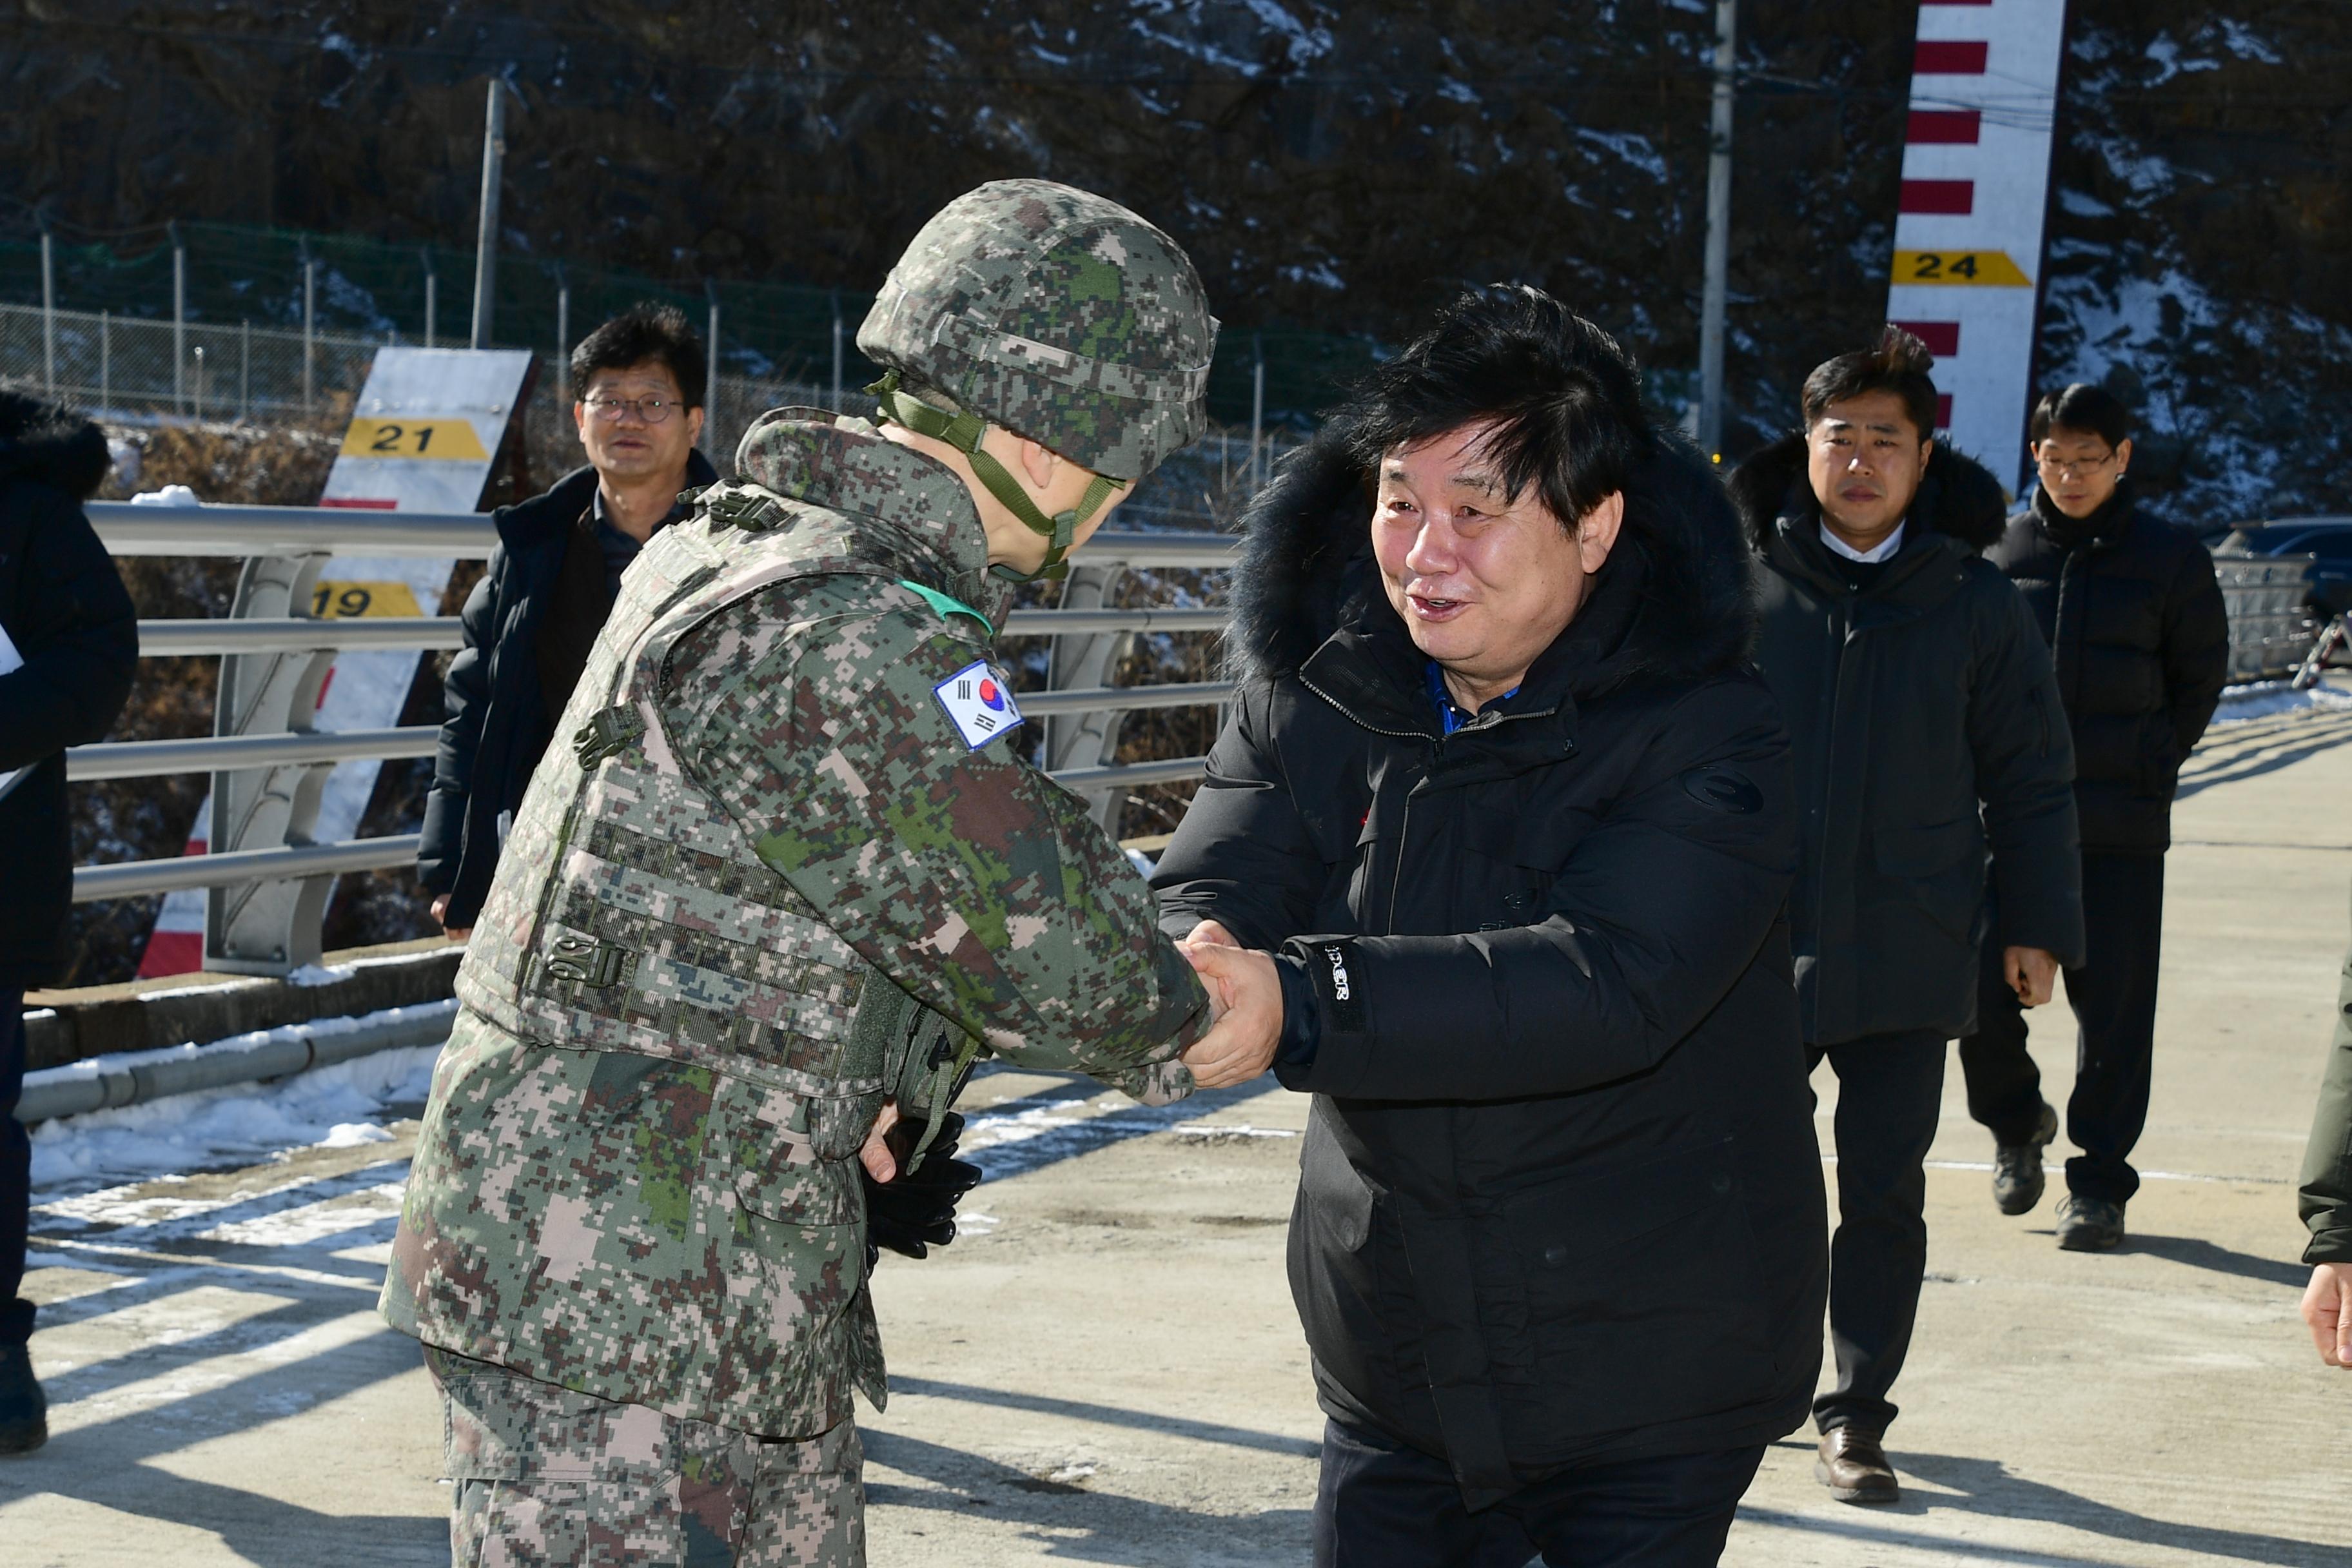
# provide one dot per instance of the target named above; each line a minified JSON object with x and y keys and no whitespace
{"x":545,"y":1477}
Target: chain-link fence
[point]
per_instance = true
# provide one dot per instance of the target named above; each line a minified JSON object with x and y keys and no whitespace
{"x":202,"y":372}
{"x":353,"y":289}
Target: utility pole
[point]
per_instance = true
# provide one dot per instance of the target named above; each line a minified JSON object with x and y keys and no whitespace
{"x":563,"y":339}
{"x":710,"y":372}
{"x":310,"y":326}
{"x":48,"y":308}
{"x":1719,"y":234}
{"x":431,"y":293}
{"x":1257,"y":408}
{"x":836,"y":351}
{"x":179,"y":318}
{"x":486,"y":256}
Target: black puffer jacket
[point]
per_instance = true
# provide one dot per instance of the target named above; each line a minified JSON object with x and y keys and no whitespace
{"x":1924,"y":724}
{"x":2141,"y":639}
{"x":495,"y":720}
{"x":1559,"y":1096}
{"x":63,"y":605}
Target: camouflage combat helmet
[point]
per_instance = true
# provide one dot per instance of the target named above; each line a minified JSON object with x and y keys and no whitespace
{"x":1060,"y":316}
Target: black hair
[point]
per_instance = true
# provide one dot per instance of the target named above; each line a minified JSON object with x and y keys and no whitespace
{"x":2093,"y":410}
{"x":1564,"y":399}
{"x":1898,"y":364}
{"x":643,"y":332}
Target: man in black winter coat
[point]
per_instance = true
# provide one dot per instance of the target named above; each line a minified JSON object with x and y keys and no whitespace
{"x":1924,"y":728}
{"x":1499,"y":788}
{"x":68,"y":643}
{"x":2141,"y":639}
{"x":532,"y":618}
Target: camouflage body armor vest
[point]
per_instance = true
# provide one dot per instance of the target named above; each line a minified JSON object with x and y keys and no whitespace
{"x":636,"y":955}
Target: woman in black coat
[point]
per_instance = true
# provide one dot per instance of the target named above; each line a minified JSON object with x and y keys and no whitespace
{"x":1558,"y":1236}
{"x":66,"y":616}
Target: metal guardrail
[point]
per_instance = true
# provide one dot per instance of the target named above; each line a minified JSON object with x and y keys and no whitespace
{"x":297,"y":634}
{"x":259,"y":534}
{"x":153,"y":759}
{"x":247,"y":531}
{"x":132,"y":878}
{"x":99,"y":1084}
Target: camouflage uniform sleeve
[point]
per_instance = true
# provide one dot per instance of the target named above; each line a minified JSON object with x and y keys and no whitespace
{"x":963,"y":873}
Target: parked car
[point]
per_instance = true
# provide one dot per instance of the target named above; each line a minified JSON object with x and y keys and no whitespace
{"x":2329,"y":539}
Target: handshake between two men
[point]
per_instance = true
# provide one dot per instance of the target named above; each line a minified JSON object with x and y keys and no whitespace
{"x":1245,"y":1018}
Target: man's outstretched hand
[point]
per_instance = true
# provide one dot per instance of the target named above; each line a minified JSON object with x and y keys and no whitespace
{"x":1246,"y":1004}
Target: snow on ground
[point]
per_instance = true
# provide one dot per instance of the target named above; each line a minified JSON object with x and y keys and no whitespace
{"x":337,"y":1107}
{"x":2267,"y":698}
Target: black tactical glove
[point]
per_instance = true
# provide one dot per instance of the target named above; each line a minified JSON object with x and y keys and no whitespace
{"x":916,"y":1210}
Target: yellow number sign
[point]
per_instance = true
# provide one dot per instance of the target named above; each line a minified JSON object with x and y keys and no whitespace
{"x":345,"y":601}
{"x":1983,"y":268}
{"x":450,"y":438}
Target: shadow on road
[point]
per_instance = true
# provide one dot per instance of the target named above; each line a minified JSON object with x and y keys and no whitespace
{"x":2200,"y":1254}
{"x":1112,"y":1529}
{"x":1988,"y":1489}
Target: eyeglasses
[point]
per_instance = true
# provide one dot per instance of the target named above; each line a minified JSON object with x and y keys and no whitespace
{"x":652,"y":410}
{"x":2078,"y":466}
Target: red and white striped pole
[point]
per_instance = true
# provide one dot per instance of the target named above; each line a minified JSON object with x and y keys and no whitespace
{"x":1969,"y":235}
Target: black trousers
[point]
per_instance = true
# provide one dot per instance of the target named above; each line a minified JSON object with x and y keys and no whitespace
{"x":16,"y":1174}
{"x":1382,"y":1505}
{"x":1890,"y":1093}
{"x":2114,"y":998}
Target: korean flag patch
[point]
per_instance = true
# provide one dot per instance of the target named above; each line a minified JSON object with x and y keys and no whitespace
{"x":979,"y":704}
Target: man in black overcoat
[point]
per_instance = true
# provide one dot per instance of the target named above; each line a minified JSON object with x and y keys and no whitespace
{"x":68,"y":643}
{"x":1925,"y":730}
{"x":2141,"y":641}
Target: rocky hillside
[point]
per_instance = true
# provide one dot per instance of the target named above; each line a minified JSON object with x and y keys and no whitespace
{"x":1333,"y":167}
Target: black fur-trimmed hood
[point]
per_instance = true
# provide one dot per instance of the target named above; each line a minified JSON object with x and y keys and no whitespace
{"x":1306,"y":568}
{"x":51,"y":445}
{"x":1960,"y":497}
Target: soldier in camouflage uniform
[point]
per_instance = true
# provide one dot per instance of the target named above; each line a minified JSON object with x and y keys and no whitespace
{"x":788,"y":869}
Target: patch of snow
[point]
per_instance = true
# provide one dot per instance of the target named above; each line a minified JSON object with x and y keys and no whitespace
{"x":1632,"y":149}
{"x":2081,"y":203}
{"x":322,"y":974}
{"x":2245,"y":43}
{"x":1322,"y":275}
{"x":340,"y":1106}
{"x":170,"y":495}
{"x":2267,"y":698}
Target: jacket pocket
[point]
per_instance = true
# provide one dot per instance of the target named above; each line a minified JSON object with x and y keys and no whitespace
{"x":1626,"y":1273}
{"x":781,"y":1171}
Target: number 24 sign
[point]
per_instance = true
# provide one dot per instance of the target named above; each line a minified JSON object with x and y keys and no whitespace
{"x":427,"y":438}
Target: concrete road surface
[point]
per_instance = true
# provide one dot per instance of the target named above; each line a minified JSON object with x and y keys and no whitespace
{"x":1105,"y":1369}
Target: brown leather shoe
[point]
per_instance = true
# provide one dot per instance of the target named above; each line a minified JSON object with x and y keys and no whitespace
{"x":1854,"y":1467}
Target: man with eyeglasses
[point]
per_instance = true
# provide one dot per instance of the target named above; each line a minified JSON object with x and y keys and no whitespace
{"x":2141,"y":641}
{"x":531,"y":620}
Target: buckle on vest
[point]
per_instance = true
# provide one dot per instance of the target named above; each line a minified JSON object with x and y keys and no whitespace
{"x":588,"y":961}
{"x":607,"y":733}
{"x":754,"y":511}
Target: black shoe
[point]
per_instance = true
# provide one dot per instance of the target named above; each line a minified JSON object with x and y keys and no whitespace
{"x":2090,"y":1225}
{"x":2017,"y":1167}
{"x":1854,"y":1467}
{"x":24,"y":1411}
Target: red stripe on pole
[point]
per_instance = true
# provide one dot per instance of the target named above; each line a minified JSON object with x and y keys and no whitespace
{"x":1942,"y":338}
{"x":1944,"y":126}
{"x":1944,"y":58}
{"x":1948,"y":197}
{"x":1944,"y":411}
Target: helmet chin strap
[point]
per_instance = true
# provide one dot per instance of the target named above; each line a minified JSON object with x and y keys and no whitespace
{"x":963,"y":432}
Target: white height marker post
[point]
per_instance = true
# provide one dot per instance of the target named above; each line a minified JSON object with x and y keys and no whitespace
{"x":1976,"y":186}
